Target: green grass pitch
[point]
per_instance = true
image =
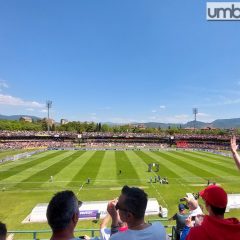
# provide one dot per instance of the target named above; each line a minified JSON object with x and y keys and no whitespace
{"x":26,"y":182}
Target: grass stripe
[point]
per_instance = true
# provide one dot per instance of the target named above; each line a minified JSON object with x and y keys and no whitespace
{"x":22,"y":167}
{"x":72,"y":169}
{"x":89,"y":169}
{"x":139,"y":165}
{"x":206,"y":171}
{"x":190,"y":165}
{"x":44,"y":175}
{"x":222,"y":170}
{"x":107,"y":170}
{"x":123,"y":164}
{"x":224,"y":159}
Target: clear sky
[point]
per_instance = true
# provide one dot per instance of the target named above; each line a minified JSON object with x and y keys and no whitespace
{"x":118,"y":61}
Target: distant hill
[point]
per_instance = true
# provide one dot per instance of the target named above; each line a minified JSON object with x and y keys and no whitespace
{"x":219,"y":123}
{"x":198,"y":124}
{"x":161,"y":125}
{"x":227,"y":123}
{"x":17,"y":117}
{"x":172,"y":125}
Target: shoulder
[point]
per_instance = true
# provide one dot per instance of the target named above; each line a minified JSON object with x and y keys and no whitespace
{"x":158,"y":228}
{"x":119,"y":235}
{"x":196,"y":233}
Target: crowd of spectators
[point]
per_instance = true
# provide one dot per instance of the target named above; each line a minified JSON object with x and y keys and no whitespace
{"x":21,"y":139}
{"x":176,"y":136}
{"x":190,"y":136}
{"x":124,"y":145}
{"x":5,"y":133}
{"x":214,"y":146}
{"x":34,"y":144}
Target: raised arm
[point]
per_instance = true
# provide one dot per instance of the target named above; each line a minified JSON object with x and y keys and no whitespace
{"x":234,"y":147}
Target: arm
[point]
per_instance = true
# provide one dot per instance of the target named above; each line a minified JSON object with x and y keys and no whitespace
{"x":186,"y":229}
{"x":234,"y":148}
{"x":114,"y":215}
{"x":185,"y":232}
{"x":172,"y":218}
{"x":105,"y":221}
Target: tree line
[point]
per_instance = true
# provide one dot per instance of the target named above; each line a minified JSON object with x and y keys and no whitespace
{"x":79,"y":127}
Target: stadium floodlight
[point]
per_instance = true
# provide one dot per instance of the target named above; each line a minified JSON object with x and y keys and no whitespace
{"x":195,"y":112}
{"x":48,"y":105}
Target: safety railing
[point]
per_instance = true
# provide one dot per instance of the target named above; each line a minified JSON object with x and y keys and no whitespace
{"x":35,"y":233}
{"x":93,"y":232}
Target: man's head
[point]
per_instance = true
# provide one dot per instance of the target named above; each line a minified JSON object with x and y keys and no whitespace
{"x":132,"y":204}
{"x":63,"y":211}
{"x":181,"y":207}
{"x":216,"y":198}
{"x":3,"y":231}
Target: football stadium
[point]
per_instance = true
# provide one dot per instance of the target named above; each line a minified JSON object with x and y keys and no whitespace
{"x":119,"y":120}
{"x":167,"y":168}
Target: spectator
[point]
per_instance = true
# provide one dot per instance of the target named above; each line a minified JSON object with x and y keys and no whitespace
{"x":234,"y":148}
{"x":63,"y":214}
{"x":117,"y":224}
{"x":191,"y":221}
{"x":3,"y":231}
{"x":214,"y":226}
{"x":195,"y":216}
{"x":132,"y":205}
{"x":180,"y":218}
{"x":194,"y":208}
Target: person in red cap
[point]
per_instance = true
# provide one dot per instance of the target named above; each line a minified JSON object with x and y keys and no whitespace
{"x":214,"y":226}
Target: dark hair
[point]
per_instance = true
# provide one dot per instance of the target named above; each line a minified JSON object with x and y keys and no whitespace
{"x":61,"y":209}
{"x":135,"y":201}
{"x":3,"y":229}
{"x":218,"y":211}
{"x":125,"y":189}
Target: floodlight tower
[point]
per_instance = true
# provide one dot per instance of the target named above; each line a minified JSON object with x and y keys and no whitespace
{"x":195,"y":112}
{"x":48,"y":105}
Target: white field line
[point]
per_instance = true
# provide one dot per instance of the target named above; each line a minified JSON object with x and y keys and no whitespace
{"x":230,"y":178}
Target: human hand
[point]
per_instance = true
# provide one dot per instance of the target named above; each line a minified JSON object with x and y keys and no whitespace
{"x":199,"y":219}
{"x":189,"y":222}
{"x":233,"y":144}
{"x":111,"y":208}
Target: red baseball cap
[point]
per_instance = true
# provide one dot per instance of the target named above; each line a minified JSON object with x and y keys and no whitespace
{"x":215,"y":196}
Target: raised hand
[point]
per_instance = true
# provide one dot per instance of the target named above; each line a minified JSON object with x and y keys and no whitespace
{"x":234,"y":147}
{"x":233,"y":144}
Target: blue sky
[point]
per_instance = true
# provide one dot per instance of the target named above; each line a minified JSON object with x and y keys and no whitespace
{"x":118,"y":61}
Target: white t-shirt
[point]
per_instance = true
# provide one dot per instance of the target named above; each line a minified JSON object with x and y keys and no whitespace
{"x":105,"y":233}
{"x":156,"y":231}
{"x":196,"y":211}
